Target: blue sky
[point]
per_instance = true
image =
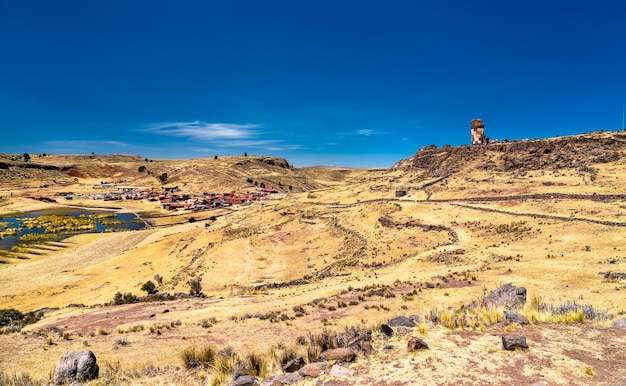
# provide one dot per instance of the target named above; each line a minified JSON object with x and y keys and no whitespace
{"x":348,"y":83}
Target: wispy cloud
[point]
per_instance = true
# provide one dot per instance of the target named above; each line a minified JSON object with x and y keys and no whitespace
{"x":117,"y":143}
{"x":222,"y":135}
{"x":82,"y":143}
{"x":203,"y":131}
{"x":366,"y":132}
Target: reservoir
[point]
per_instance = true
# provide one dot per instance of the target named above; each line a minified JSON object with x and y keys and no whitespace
{"x":59,"y":223}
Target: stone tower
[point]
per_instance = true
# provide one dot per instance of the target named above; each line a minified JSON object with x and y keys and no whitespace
{"x":477,"y":127}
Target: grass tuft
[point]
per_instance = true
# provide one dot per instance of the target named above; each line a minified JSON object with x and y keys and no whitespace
{"x":194,"y":357}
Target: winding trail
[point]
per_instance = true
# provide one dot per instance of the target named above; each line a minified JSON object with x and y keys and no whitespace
{"x":538,"y":215}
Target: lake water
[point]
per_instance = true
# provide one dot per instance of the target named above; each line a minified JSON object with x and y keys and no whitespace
{"x":121,"y":221}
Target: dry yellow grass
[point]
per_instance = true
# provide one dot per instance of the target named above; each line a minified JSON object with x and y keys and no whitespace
{"x":348,"y":244}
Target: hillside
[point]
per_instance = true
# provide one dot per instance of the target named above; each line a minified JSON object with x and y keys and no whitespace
{"x":81,"y":173}
{"x":345,"y":250}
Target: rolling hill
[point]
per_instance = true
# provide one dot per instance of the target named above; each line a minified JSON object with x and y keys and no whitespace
{"x":342,"y":250}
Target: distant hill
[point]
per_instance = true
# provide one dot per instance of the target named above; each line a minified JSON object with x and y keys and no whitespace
{"x":214,"y":174}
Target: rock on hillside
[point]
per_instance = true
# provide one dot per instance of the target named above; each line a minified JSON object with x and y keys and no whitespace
{"x":580,"y":151}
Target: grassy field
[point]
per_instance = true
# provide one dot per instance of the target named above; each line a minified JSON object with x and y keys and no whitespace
{"x":340,"y":250}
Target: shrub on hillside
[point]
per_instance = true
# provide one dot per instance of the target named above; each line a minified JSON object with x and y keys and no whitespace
{"x":10,"y":316}
{"x":149,"y":287}
{"x":126,"y":298}
{"x":195,"y":286}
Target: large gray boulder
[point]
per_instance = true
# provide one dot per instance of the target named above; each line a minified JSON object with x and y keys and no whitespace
{"x":507,"y":296}
{"x":76,"y":366}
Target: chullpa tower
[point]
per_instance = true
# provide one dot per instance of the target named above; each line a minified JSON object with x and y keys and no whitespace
{"x":477,"y":127}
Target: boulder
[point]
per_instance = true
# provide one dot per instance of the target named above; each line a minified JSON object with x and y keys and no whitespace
{"x":76,"y":366}
{"x":514,"y":317}
{"x":401,"y":321}
{"x":385,"y":329}
{"x":246,"y":380}
{"x":294,"y":365}
{"x":619,"y":323}
{"x":282,"y":379}
{"x":512,"y":342}
{"x":338,"y":354}
{"x":415,"y":344}
{"x":313,"y":370}
{"x":507,"y":296}
{"x":339,"y":371}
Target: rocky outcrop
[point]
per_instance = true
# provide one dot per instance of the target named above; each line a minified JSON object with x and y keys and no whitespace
{"x":507,"y":296}
{"x":76,"y":366}
{"x":579,"y":151}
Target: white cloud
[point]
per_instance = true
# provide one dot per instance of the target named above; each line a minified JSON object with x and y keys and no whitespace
{"x":82,"y":143}
{"x":116,"y":143}
{"x":366,"y":132}
{"x":203,"y":131}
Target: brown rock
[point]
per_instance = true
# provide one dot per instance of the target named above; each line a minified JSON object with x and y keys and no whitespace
{"x":512,"y":342}
{"x":313,"y":370}
{"x":416,"y":344}
{"x":294,"y":365}
{"x":338,"y":354}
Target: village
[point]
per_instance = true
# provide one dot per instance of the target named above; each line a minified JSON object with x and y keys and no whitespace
{"x":170,"y":197}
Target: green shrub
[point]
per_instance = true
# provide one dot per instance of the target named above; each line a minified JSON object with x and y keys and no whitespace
{"x":195,"y":286}
{"x":10,"y":316}
{"x":149,"y":287}
{"x":126,"y":298}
